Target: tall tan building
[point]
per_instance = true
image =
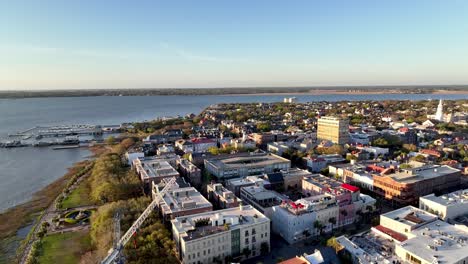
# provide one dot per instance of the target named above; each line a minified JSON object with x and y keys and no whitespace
{"x":334,"y":129}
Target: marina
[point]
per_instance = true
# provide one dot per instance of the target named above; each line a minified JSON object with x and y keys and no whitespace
{"x":60,"y":136}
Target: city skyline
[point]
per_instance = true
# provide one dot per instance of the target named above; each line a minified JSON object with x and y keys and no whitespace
{"x":209,"y":44}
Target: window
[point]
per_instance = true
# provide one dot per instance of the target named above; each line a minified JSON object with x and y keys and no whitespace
{"x":253,"y":231}
{"x":246,"y":240}
{"x":246,"y":232}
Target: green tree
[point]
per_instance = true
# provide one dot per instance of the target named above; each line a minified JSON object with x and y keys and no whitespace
{"x":110,"y":140}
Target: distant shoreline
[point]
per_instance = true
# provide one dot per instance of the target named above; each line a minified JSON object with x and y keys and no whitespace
{"x":439,"y":89}
{"x":328,"y":92}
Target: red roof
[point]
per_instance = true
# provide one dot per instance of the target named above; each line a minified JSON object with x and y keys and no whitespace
{"x":404,"y":129}
{"x":203,"y":140}
{"x":393,"y":234}
{"x":375,"y":168}
{"x":350,"y":187}
{"x":295,"y":260}
{"x":431,"y":152}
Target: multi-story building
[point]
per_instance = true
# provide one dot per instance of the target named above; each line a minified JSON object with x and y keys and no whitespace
{"x":181,"y":201}
{"x":235,"y":185}
{"x":221,"y":197}
{"x":448,"y":206}
{"x":405,"y":186}
{"x":261,"y":198}
{"x":203,"y":144}
{"x":278,"y":147}
{"x":245,"y":164}
{"x":292,"y":179}
{"x":295,"y":221}
{"x":240,"y":233}
{"x":264,"y":138}
{"x":169,"y":135}
{"x":317,"y":163}
{"x":409,"y":235}
{"x":436,"y":242}
{"x":348,"y":197}
{"x":184,"y":145}
{"x":165,"y":149}
{"x":333,"y":129}
{"x":190,"y":171}
{"x":406,"y":219}
{"x":361,"y":173}
{"x":153,"y":170}
{"x":133,"y":155}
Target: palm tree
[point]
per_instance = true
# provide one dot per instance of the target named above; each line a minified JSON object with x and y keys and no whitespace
{"x":318,"y":225}
{"x":332,"y":221}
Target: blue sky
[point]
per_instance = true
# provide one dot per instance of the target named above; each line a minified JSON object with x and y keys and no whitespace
{"x":162,"y":44}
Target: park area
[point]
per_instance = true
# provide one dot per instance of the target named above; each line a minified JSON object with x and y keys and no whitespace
{"x":64,"y":248}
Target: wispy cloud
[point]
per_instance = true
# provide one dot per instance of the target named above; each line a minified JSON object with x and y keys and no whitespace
{"x":188,"y":55}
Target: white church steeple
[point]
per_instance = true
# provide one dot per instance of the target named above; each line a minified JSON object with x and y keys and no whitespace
{"x":440,"y":111}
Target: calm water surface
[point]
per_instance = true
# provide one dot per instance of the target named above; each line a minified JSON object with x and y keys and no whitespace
{"x":24,"y":171}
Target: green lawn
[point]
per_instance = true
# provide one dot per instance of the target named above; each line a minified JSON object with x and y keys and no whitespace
{"x":64,"y":248}
{"x":79,"y":196}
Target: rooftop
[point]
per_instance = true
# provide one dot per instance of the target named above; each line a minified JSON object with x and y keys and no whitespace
{"x":222,"y":192}
{"x":183,"y":199}
{"x":369,"y":247}
{"x":154,"y":168}
{"x":309,"y":204}
{"x":457,"y":197}
{"x":246,"y":160}
{"x":428,"y":171}
{"x":410,"y":215}
{"x":247,"y":180}
{"x":330,"y":185}
{"x":201,"y":225}
{"x":439,"y":241}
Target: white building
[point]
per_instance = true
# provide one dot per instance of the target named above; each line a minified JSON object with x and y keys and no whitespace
{"x":359,"y":138}
{"x":436,"y":242}
{"x":290,"y":100}
{"x":203,"y":144}
{"x":261,"y":198}
{"x":181,"y":201}
{"x":165,"y":149}
{"x":375,"y":150}
{"x":448,"y":206}
{"x":131,"y":156}
{"x":406,"y":219}
{"x":294,"y":221}
{"x":315,"y":164}
{"x":154,"y":170}
{"x":212,"y":236}
{"x":278,"y":147}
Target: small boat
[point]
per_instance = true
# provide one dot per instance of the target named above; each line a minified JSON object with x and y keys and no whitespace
{"x":13,"y":144}
{"x":66,"y":147}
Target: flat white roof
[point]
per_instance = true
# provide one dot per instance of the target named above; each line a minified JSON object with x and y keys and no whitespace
{"x":183,"y":199}
{"x":234,"y":217}
{"x":457,"y":197}
{"x":153,"y":168}
{"x":410,"y":215}
{"x":439,"y":241}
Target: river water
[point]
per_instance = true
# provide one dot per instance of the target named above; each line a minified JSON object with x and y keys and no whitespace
{"x":24,"y":171}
